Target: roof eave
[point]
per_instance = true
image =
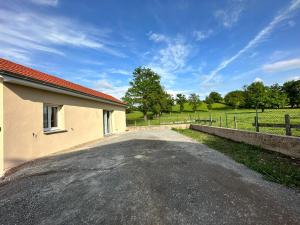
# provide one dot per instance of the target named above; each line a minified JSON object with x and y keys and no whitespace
{"x":26,"y":81}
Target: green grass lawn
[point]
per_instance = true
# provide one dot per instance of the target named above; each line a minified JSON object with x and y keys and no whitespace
{"x":245,"y":117}
{"x":273,"y":166}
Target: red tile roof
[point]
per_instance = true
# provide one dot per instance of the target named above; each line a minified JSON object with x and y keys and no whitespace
{"x":11,"y":67}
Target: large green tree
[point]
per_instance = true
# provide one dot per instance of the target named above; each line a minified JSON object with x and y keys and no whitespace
{"x":215,"y":97}
{"x":145,"y":91}
{"x":180,"y":100}
{"x":194,"y":101}
{"x":292,"y":89}
{"x":276,"y":97}
{"x":235,"y":98}
{"x":256,"y":95}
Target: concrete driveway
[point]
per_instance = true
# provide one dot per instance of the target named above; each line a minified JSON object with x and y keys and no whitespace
{"x":144,"y":177}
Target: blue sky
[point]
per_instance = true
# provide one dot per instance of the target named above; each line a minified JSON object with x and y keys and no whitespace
{"x":196,"y":46}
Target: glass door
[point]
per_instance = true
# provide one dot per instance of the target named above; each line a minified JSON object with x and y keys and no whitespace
{"x":106,"y":122}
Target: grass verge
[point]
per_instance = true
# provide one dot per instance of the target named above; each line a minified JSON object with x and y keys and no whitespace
{"x":273,"y":166}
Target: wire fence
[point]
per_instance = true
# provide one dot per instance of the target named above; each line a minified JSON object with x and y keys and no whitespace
{"x":284,"y":123}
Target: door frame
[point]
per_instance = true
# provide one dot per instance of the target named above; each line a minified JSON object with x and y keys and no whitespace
{"x":107,"y":122}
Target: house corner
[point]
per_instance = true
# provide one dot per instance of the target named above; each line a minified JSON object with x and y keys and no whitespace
{"x":1,"y":129}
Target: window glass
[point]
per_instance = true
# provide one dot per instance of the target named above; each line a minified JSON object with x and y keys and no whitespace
{"x":54,"y":116}
{"x":50,"y":116}
{"x":45,"y":116}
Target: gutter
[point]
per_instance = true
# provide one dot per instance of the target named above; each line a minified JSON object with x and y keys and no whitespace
{"x":30,"y":82}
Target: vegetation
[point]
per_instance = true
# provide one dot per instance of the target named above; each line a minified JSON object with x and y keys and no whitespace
{"x":180,"y":100}
{"x":194,"y":101}
{"x":292,"y":89}
{"x":245,"y":117}
{"x":147,"y":97}
{"x":273,"y":166}
{"x":147,"y":94}
{"x":277,"y":98}
{"x":214,"y":97}
{"x":235,"y":98}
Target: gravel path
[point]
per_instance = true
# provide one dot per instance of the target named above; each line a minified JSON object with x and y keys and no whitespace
{"x":144,"y":177}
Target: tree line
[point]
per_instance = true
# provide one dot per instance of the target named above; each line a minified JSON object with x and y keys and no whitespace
{"x":257,"y":95}
{"x":146,"y":94}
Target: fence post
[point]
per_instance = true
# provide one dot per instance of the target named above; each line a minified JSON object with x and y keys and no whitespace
{"x":288,"y":130}
{"x":226,"y":120}
{"x":135,"y":123}
{"x":220,"y":121}
{"x":256,"y":124}
{"x":210,"y":119}
{"x":148,"y":122}
{"x":235,"y":122}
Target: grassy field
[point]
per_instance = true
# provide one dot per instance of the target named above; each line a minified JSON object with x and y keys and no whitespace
{"x":274,"y":166}
{"x":219,"y":113}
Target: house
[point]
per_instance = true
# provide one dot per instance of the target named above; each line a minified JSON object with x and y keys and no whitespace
{"x":42,"y":114}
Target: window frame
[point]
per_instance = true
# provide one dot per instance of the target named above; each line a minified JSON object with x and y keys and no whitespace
{"x":49,"y":114}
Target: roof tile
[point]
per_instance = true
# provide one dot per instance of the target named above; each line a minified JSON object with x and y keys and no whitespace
{"x":27,"y":72}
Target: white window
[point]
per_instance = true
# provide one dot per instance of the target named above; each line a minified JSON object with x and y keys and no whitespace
{"x":50,"y":115}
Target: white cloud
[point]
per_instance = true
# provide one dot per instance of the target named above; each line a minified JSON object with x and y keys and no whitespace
{"x":19,"y":55}
{"x":209,"y":83}
{"x":119,"y":71}
{"x":31,"y":31}
{"x":103,"y":84}
{"x":294,"y":78}
{"x":170,"y":59}
{"x":107,"y":87}
{"x":291,"y":23}
{"x":282,"y":65}
{"x":46,"y":2}
{"x":279,"y":55}
{"x":230,"y":16}
{"x":285,"y":14}
{"x":202,"y":35}
{"x":174,"y":56}
{"x":92,"y":62}
{"x":158,"y":37}
{"x":245,"y":74}
{"x":258,"y":79}
{"x":175,"y":92}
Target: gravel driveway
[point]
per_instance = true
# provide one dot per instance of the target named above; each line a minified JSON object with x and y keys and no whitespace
{"x":145,"y":177}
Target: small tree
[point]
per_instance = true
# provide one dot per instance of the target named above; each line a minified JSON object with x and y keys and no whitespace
{"x":180,"y":100}
{"x":194,"y":101}
{"x":209,"y":103}
{"x":169,"y":102}
{"x":235,"y":98}
{"x":292,"y":89}
{"x":215,"y":97}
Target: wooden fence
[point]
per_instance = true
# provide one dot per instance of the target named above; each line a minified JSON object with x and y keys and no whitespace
{"x":287,"y":125}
